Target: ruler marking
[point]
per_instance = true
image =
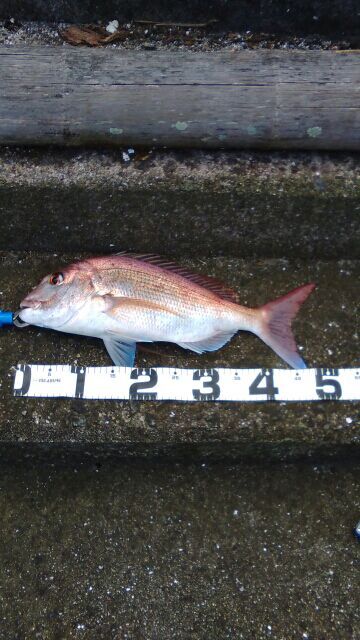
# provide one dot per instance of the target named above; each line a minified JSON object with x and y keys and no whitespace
{"x":188,"y":385}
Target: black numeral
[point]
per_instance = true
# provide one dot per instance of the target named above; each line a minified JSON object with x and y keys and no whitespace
{"x":212,"y":389}
{"x":322,"y":381}
{"x":26,"y":380}
{"x":136,"y":389}
{"x":268,"y":389}
{"x":80,"y":380}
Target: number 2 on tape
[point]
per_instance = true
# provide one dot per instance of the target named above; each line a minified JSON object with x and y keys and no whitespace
{"x":137,"y":389}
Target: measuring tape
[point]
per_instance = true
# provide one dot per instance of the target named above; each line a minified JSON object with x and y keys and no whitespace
{"x":187,"y":385}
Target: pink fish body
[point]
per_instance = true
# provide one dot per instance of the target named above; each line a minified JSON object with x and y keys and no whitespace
{"x":125,"y":299}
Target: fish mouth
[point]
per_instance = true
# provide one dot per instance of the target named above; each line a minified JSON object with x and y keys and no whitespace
{"x":30,"y":304}
{"x":17,"y":320}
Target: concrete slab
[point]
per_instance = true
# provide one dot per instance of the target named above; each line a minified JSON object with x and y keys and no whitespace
{"x":327,"y":330}
{"x":209,"y":552}
{"x":203,"y":204}
{"x":279,"y":16}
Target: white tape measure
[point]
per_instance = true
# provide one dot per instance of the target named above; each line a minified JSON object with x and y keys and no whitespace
{"x":187,"y":385}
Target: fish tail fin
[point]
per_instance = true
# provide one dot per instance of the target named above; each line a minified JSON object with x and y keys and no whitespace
{"x":275,"y":324}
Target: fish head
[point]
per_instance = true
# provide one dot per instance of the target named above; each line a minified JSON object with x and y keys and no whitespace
{"x":57,"y":298}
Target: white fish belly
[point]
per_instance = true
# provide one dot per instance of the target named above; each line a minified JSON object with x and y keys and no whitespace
{"x":143,"y":323}
{"x":162,"y":326}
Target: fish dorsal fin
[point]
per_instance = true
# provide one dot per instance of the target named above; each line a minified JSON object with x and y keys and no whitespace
{"x":209,"y":283}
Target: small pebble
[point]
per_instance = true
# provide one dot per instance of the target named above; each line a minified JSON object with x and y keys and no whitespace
{"x":357,"y":530}
{"x":113,"y":26}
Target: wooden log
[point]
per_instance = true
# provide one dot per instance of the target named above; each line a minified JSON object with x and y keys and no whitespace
{"x":248,"y":99}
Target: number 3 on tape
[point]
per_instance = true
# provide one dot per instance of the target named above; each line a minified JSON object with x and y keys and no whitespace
{"x":211,"y":389}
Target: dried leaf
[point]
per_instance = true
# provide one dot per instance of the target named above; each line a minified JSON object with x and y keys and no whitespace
{"x":115,"y":37}
{"x":141,"y":157}
{"x":93,"y":36}
{"x":81,"y":35}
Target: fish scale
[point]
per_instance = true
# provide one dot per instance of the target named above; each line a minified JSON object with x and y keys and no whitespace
{"x":155,"y":287}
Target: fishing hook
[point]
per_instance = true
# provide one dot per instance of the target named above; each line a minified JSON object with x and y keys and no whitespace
{"x":18,"y":322}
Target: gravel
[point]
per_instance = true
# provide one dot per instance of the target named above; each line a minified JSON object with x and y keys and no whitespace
{"x":155,"y":37}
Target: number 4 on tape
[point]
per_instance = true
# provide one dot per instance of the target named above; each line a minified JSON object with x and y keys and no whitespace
{"x":189,"y":385}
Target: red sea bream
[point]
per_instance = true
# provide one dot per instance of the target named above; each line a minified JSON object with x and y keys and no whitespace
{"x":125,"y":299}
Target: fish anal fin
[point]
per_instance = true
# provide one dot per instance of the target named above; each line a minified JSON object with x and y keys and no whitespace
{"x":209,"y":344}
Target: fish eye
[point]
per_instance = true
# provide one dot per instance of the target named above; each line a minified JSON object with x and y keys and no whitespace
{"x":57,"y":278}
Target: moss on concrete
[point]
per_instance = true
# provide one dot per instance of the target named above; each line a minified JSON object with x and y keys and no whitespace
{"x":233,"y":204}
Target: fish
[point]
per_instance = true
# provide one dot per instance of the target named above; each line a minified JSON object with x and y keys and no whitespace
{"x":128,"y":298}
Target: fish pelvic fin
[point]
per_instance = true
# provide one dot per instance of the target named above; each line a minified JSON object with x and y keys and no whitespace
{"x":275,"y":320}
{"x":121,"y":352}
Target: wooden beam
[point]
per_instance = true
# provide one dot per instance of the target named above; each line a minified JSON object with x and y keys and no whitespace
{"x":243,"y":99}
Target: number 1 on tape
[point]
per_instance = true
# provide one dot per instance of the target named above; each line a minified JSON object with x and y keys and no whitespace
{"x":189,"y":385}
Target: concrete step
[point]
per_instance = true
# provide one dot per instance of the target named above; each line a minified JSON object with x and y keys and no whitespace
{"x":327,"y":330}
{"x":277,"y":16}
{"x":204,"y":204}
{"x":171,"y":551}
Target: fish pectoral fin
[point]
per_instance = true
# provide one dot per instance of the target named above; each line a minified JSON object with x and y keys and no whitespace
{"x":209,"y":344}
{"x":116,"y":306}
{"x":121,"y":352}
